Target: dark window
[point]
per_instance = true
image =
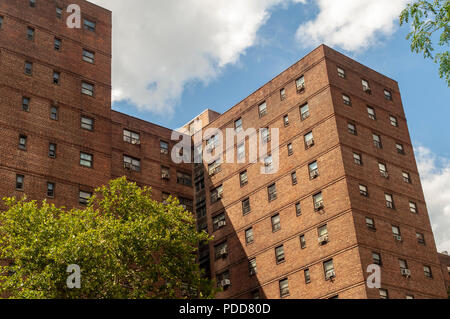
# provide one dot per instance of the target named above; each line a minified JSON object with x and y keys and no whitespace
{"x":221,"y":250}
{"x":318,"y":202}
{"x":243,"y":178}
{"x":272,"y":192}
{"x":279,"y":254}
{"x":131,"y":163}
{"x":20,"y":182}
{"x":86,"y":160}
{"x":56,"y":77}
{"x":26,"y":104}
{"x":1,"y":22}
{"x":283,"y":94}
{"x":302,"y":241}
{"x":284,"y":288}
{"x":28,"y":68}
{"x":298,"y":209}
{"x":54,"y":113}
{"x":249,"y":236}
{"x":57,"y":44}
{"x":165,"y":173}
{"x":84,"y":197}
{"x":309,"y":140}
{"x":219,"y":221}
{"x":184,"y":178}
{"x":33,"y":3}
{"x":276,"y":223}
{"x":246,"y":206}
{"x":286,"y":120}
{"x":290,"y":149}
{"x":328,"y":268}
{"x":252,"y":266}
{"x":89,"y":25}
{"x":376,"y":258}
{"x":304,"y":112}
{"x":216,"y":194}
{"x":164,"y":147}
{"x":23,"y":142}
{"x":238,"y":125}
{"x":307,"y":276}
{"x":88,"y":56}
{"x":294,"y":178}
{"x":50,"y":190}
{"x":30,"y":33}
{"x":59,"y":12}
{"x":400,"y":149}
{"x":262,"y":108}
{"x":52,"y":150}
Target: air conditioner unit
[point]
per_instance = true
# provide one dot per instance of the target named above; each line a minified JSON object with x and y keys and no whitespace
{"x":314,"y":174}
{"x":225,"y":283}
{"x":128,"y":166}
{"x":406,"y":273}
{"x":135,"y":142}
{"x":222,"y":223}
{"x":252,"y":272}
{"x":164,"y":151}
{"x":309,"y":143}
{"x":319,"y":206}
{"x":384,"y":174}
{"x":367,"y":90}
{"x":301,"y":88}
{"x":165,"y":175}
{"x":330,"y":275}
{"x":398,"y":237}
{"x":324,"y":240}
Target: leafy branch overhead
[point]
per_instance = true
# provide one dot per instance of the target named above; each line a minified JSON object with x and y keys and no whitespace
{"x":426,"y":19}
{"x":126,"y":244}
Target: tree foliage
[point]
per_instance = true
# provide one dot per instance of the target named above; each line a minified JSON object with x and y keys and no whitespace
{"x":126,"y":244}
{"x":426,"y":18}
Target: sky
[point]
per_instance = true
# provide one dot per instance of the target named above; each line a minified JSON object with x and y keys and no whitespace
{"x":173,"y":59}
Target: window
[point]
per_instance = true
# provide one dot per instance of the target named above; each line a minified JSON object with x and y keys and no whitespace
{"x":28,"y":68}
{"x":262,"y":109}
{"x":403,"y":264}
{"x":33,"y":3}
{"x":304,"y":112}
{"x":279,"y":254}
{"x":300,"y":84}
{"x":376,"y":258}
{"x":249,"y":236}
{"x":383,"y":294}
{"x":448,"y":270}
{"x":366,"y":86}
{"x":286,"y":120}
{"x":23,"y":142}
{"x":87,"y":89}
{"x":352,"y":129}
{"x":377,"y":141}
{"x":219,"y":221}
{"x":216,"y":194}
{"x":52,"y":150}
{"x":307,"y":276}
{"x":165,"y":173}
{"x":370,"y":223}
{"x":371,"y":113}
{"x":298,"y":209}
{"x":284,"y":288}
{"x":313,"y":170}
{"x":131,"y":137}
{"x":187,"y":204}
{"x":283,"y":94}
{"x":265,"y":135}
{"x":393,"y":120}
{"x":214,"y":168}
{"x":268,"y":164}
{"x":389,"y":201}
{"x":396,"y":232}
{"x":341,"y":72}
{"x":20,"y":182}
{"x":89,"y":25}
{"x":363,"y":190}
{"x":30,"y":33}
{"x":406,"y":177}
{"x":357,"y":158}
{"x":255,"y":294}
{"x":131,"y":163}
{"x":318,"y":202}
{"x":238,"y":125}
{"x":59,"y":13}
{"x":294,"y":178}
{"x":272,"y":192}
{"x":54,"y":113}
{"x":276,"y":223}
{"x":241,"y":151}
{"x":56,"y":77}
{"x":290,"y":149}
{"x":221,"y":250}
{"x":420,"y":238}
{"x":246,"y":206}
{"x":252,"y":266}
{"x":413,"y":207}
{"x":309,"y":140}
{"x":50,"y":190}
{"x":26,"y":104}
{"x":164,"y":147}
{"x":383,"y":170}
{"x":243,"y":179}
{"x":84,"y":197}
{"x":400,"y":148}
{"x":323,"y":235}
{"x":184,"y":178}
{"x":388,"y":95}
{"x":57,"y":44}
{"x":302,"y":242}
{"x":87,"y":123}
{"x":86,"y":160}
{"x":88,"y":56}
{"x":328,"y":267}
{"x":223,"y":279}
{"x":346,"y":99}
{"x":1,"y":22}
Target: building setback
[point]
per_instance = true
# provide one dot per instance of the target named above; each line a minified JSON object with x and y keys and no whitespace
{"x":347,"y":193}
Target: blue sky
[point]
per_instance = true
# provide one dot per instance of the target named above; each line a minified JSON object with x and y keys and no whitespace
{"x":174,"y":59}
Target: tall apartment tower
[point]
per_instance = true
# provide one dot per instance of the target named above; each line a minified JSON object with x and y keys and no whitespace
{"x":346,"y":194}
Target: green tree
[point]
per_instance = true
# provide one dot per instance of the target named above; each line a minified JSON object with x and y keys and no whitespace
{"x":428,"y":17}
{"x":126,"y":244}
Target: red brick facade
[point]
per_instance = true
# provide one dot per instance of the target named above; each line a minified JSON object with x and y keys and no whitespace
{"x":86,"y":130}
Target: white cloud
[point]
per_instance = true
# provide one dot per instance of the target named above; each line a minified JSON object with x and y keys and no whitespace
{"x":160,"y":46}
{"x":435,"y":177}
{"x":351,"y":25}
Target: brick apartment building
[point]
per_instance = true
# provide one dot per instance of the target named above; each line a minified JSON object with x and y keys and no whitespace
{"x":347,"y":193}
